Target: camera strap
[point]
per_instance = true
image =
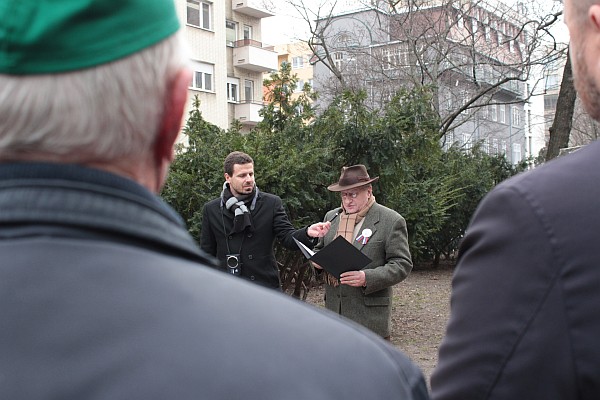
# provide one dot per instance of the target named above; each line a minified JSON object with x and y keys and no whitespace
{"x":226,"y":235}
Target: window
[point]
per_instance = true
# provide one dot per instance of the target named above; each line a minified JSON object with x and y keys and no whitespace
{"x":338,"y":59}
{"x":299,"y":86}
{"x":516,"y":117}
{"x":448,"y":99}
{"x":203,"y":76}
{"x":464,"y":98}
{"x":230,"y":32}
{"x":395,"y":57}
{"x":502,"y":110}
{"x":248,"y":90}
{"x":199,"y":13}
{"x":233,"y":90}
{"x":516,"y":152}
{"x":467,"y":143}
{"x":552,"y":82}
{"x":486,"y":146}
{"x":343,"y":40}
{"x":494,"y":112}
{"x":550,"y":101}
{"x":448,"y":140}
{"x":247,"y":32}
{"x":297,"y":62}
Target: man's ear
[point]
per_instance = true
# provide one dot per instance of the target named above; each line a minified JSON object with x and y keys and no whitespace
{"x":170,"y":124}
{"x":594,"y":16}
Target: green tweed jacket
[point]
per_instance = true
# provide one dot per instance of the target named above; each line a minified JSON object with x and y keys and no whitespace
{"x":391,"y":263}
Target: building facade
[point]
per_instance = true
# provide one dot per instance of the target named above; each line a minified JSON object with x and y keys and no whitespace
{"x":228,"y":58}
{"x":470,"y":53}
{"x":297,"y":55}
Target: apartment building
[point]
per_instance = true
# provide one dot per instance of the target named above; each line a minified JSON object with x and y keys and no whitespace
{"x":298,"y":55}
{"x":471,"y":52}
{"x":228,"y":58}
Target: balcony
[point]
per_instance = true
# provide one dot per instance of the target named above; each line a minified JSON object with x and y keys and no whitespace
{"x":247,"y":112}
{"x":249,"y":54}
{"x":253,"y":8}
{"x":515,"y":87}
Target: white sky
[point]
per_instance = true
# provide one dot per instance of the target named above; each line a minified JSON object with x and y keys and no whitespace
{"x":283,"y":27}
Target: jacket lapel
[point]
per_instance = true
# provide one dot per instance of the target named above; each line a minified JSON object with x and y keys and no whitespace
{"x":371,"y":222}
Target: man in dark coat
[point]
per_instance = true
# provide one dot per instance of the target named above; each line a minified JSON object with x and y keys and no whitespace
{"x":103,"y":293}
{"x":524,"y":318}
{"x":240,"y":227}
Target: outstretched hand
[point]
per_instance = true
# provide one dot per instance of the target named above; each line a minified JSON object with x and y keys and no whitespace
{"x":319,"y":229}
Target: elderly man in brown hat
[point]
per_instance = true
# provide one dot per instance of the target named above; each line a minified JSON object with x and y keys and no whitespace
{"x":365,"y":296}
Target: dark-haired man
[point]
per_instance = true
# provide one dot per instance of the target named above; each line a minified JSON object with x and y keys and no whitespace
{"x":240,"y":226}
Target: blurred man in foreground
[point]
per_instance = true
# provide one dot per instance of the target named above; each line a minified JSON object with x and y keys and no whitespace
{"x":103,"y":294}
{"x":524,"y":321}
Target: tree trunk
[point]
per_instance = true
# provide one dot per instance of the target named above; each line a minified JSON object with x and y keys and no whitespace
{"x":563,"y":118}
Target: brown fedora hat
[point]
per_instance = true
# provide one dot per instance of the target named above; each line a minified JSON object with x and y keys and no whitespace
{"x":352,"y":177}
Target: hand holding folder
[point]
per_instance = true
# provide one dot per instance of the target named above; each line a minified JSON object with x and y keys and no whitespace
{"x":337,"y":257}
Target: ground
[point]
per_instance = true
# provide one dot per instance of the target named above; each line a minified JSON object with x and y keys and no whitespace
{"x":419,"y":314}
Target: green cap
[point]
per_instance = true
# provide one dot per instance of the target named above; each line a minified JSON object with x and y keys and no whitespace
{"x":49,"y":36}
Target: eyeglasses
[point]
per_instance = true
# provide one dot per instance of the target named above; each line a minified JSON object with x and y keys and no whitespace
{"x":349,"y":195}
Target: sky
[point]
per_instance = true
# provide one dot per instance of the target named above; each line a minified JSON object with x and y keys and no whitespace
{"x":284,"y":27}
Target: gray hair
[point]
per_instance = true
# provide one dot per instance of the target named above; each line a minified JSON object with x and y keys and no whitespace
{"x":99,"y":114}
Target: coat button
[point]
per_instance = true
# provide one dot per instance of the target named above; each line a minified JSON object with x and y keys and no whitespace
{"x":249,"y":235}
{"x":230,"y":237}
{"x":250,"y":257}
{"x":252,"y":277}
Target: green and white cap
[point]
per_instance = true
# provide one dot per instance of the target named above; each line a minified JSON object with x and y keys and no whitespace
{"x":52,"y":36}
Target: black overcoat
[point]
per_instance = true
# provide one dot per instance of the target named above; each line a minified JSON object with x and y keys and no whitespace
{"x":256,"y":245}
{"x":524,"y":318}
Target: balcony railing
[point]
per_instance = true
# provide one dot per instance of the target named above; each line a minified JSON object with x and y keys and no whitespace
{"x":253,"y":43}
{"x":251,"y":55}
{"x":247,"y":112}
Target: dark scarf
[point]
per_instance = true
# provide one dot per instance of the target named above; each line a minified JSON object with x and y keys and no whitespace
{"x":239,"y":206}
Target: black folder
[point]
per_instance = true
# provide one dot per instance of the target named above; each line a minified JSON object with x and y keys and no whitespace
{"x":337,"y":257}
